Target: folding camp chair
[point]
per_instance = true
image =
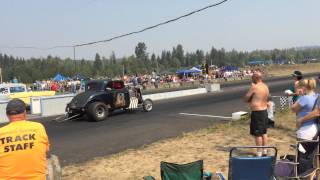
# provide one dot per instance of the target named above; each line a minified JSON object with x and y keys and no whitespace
{"x":248,"y":167}
{"x":190,"y":171}
{"x":304,"y":164}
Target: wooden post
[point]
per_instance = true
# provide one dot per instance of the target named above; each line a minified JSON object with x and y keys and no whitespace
{"x":53,"y":169}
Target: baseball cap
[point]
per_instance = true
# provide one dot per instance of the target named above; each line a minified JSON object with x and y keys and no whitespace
{"x":15,"y":106}
{"x":297,"y":74}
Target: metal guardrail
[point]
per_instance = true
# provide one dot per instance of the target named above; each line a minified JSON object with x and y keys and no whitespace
{"x":175,"y":94}
{"x":54,"y":105}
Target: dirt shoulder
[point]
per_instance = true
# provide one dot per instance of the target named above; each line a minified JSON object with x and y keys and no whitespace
{"x":211,"y":144}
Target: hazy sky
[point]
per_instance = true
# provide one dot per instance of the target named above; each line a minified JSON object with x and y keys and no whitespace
{"x":238,"y":24}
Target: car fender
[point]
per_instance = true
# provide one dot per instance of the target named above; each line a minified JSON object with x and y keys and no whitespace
{"x":100,"y":97}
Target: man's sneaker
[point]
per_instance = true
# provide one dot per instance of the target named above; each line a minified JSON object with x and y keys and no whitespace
{"x":259,"y":154}
{"x":265,"y":152}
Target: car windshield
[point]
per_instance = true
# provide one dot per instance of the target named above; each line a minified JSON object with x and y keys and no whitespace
{"x":94,"y":86}
{"x":17,"y":89}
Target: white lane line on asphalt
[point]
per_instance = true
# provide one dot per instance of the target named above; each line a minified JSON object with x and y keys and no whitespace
{"x":204,"y":115}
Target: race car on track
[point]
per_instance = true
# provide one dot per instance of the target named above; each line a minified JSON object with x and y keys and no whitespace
{"x":102,"y":97}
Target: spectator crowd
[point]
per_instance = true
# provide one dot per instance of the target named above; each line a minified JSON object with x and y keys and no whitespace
{"x":151,"y":80}
{"x":72,"y":86}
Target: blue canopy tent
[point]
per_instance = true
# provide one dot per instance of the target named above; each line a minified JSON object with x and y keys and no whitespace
{"x":256,"y":62}
{"x":182,"y":71}
{"x":195,"y":70}
{"x":230,"y":68}
{"x":59,"y":78}
{"x":198,"y":66}
{"x":280,"y":61}
{"x":188,"y":71}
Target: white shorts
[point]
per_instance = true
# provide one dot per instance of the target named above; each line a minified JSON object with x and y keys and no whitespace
{"x":307,"y":132}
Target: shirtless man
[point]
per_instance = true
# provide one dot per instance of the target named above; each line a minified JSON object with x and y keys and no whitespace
{"x":257,"y":97}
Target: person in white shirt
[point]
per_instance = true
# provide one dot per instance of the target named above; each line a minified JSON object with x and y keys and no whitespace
{"x":271,"y":112}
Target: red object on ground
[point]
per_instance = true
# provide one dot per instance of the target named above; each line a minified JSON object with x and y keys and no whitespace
{"x":54,"y":87}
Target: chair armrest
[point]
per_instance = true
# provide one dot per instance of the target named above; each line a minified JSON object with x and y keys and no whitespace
{"x":288,"y":162}
{"x":289,"y":157}
{"x":220,"y":176}
{"x":207,"y":175}
{"x":293,"y":145}
{"x":308,"y":173}
{"x":148,"y":178}
{"x":303,"y":141}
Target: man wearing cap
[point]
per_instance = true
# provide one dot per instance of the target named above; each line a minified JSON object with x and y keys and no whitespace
{"x":297,"y":77}
{"x":23,"y":146}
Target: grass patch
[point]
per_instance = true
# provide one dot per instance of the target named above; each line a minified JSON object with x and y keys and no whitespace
{"x":211,"y":144}
{"x":287,"y":69}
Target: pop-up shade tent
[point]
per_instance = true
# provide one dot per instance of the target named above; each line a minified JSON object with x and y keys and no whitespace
{"x":182,"y":71}
{"x":256,"y":62}
{"x":193,"y":70}
{"x":230,"y":68}
{"x":196,"y":70}
{"x":59,"y":78}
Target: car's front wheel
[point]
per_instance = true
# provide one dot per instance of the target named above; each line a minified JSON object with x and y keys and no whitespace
{"x":147,"y":105}
{"x":97,"y":111}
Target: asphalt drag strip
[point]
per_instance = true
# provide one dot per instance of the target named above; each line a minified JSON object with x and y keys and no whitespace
{"x":81,"y":140}
{"x":205,"y":115}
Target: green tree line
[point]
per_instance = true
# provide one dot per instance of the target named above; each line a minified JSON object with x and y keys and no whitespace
{"x":30,"y":70}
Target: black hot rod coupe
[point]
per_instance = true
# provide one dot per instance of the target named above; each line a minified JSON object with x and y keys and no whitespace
{"x":101,"y":97}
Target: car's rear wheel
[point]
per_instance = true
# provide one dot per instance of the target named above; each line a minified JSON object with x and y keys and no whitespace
{"x":147,"y":105}
{"x":97,"y":111}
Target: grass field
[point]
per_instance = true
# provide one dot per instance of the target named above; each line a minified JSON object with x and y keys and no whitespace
{"x":211,"y":144}
{"x":285,"y":70}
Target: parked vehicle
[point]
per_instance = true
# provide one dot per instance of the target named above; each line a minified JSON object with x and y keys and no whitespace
{"x":19,"y":90}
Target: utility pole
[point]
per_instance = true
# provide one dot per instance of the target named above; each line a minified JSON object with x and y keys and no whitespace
{"x":74,"y":53}
{"x":122,"y":70}
{"x":1,"y":75}
{"x":74,"y":59}
{"x":157,"y":66}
